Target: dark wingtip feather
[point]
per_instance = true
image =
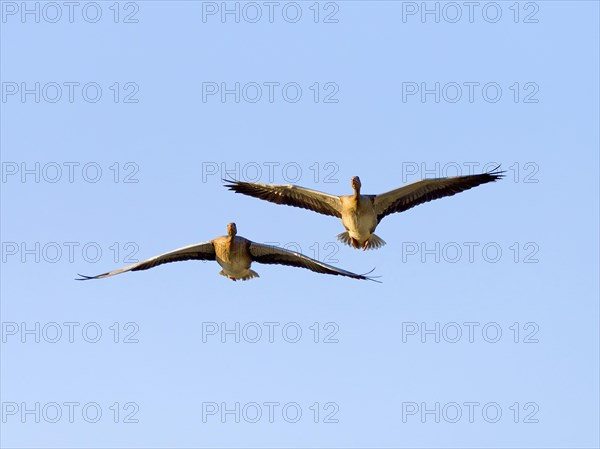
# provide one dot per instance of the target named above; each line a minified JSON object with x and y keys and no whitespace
{"x":371,"y":278}
{"x":83,"y":277}
{"x":230,"y":184}
{"x":496,"y":174}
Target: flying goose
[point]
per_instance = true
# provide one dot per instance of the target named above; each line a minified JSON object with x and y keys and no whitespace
{"x":361,"y":214}
{"x":235,"y":254}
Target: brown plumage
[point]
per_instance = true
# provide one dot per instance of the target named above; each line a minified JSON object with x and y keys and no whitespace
{"x":235,"y":255}
{"x":361,"y":214}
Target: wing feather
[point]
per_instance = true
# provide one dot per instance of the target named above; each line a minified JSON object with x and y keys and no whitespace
{"x":200,"y":251}
{"x":290,"y":195}
{"x":273,"y":255}
{"x":420,"y":192}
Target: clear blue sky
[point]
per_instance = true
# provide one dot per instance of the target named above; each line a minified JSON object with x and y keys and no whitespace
{"x":523,"y":250}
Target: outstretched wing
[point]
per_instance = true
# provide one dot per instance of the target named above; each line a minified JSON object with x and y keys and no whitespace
{"x":290,"y":195}
{"x":273,"y":255}
{"x":200,"y":251}
{"x":420,"y":192}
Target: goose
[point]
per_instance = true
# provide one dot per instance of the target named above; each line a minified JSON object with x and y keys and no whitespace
{"x":235,"y":255}
{"x":361,"y":214}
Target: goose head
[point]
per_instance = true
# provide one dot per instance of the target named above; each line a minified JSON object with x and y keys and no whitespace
{"x":356,"y":184}
{"x":231,"y":229}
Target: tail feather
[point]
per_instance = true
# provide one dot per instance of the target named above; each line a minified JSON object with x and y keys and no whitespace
{"x":345,"y":238}
{"x":251,"y":274}
{"x":374,"y":242}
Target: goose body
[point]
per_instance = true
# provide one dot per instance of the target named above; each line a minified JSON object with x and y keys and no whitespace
{"x":361,"y":214}
{"x":235,"y":255}
{"x":359,"y":219}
